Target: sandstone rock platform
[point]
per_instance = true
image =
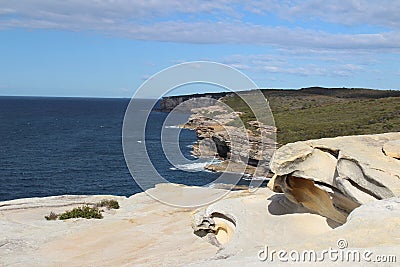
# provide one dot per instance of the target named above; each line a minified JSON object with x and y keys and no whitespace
{"x":145,"y":232}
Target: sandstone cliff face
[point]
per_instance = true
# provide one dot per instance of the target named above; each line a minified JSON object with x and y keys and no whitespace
{"x":223,"y":135}
{"x":333,"y":176}
{"x":240,"y":149}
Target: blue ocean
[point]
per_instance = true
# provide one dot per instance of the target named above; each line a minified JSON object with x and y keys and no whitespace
{"x":57,"y":146}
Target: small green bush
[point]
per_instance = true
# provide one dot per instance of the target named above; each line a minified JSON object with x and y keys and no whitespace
{"x":82,"y":212}
{"x":85,"y":211}
{"x":108,"y":203}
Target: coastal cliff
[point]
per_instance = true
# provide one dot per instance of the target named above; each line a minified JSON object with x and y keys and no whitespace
{"x":211,"y":123}
{"x":299,"y":115}
{"x":240,"y":149}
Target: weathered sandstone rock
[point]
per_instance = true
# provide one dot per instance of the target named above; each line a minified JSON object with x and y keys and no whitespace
{"x":250,"y":151}
{"x":145,"y":232}
{"x":333,"y":176}
{"x":373,"y":227}
{"x":392,"y":149}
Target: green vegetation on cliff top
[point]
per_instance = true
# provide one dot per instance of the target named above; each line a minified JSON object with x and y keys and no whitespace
{"x":313,"y":113}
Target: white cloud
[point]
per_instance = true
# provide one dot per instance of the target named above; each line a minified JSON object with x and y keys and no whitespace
{"x":289,"y":64}
{"x":345,"y":12}
{"x":115,"y":10}
{"x":159,"y":20}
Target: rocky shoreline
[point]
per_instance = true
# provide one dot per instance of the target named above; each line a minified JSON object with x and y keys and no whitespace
{"x":240,"y":150}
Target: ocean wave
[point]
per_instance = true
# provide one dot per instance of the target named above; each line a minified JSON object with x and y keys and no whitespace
{"x":197,"y":166}
{"x":227,"y":186}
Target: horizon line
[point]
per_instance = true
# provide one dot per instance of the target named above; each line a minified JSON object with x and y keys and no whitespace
{"x":195,"y":93}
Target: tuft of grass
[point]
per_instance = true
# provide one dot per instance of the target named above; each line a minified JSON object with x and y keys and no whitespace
{"x":82,"y":212}
{"x":108,"y":203}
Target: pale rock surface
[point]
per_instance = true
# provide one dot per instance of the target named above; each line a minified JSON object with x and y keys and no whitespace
{"x":333,"y":176}
{"x":373,"y":227}
{"x":145,"y":232}
{"x":392,"y":149}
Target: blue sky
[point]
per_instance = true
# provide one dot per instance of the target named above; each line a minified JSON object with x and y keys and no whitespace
{"x":109,"y":48}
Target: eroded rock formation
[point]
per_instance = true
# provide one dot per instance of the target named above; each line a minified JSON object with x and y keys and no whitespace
{"x":333,"y":176}
{"x":240,"y":149}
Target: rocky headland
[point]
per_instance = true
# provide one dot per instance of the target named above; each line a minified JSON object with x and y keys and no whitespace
{"x":336,"y":193}
{"x":228,"y":129}
{"x":240,"y":150}
{"x":240,"y":146}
